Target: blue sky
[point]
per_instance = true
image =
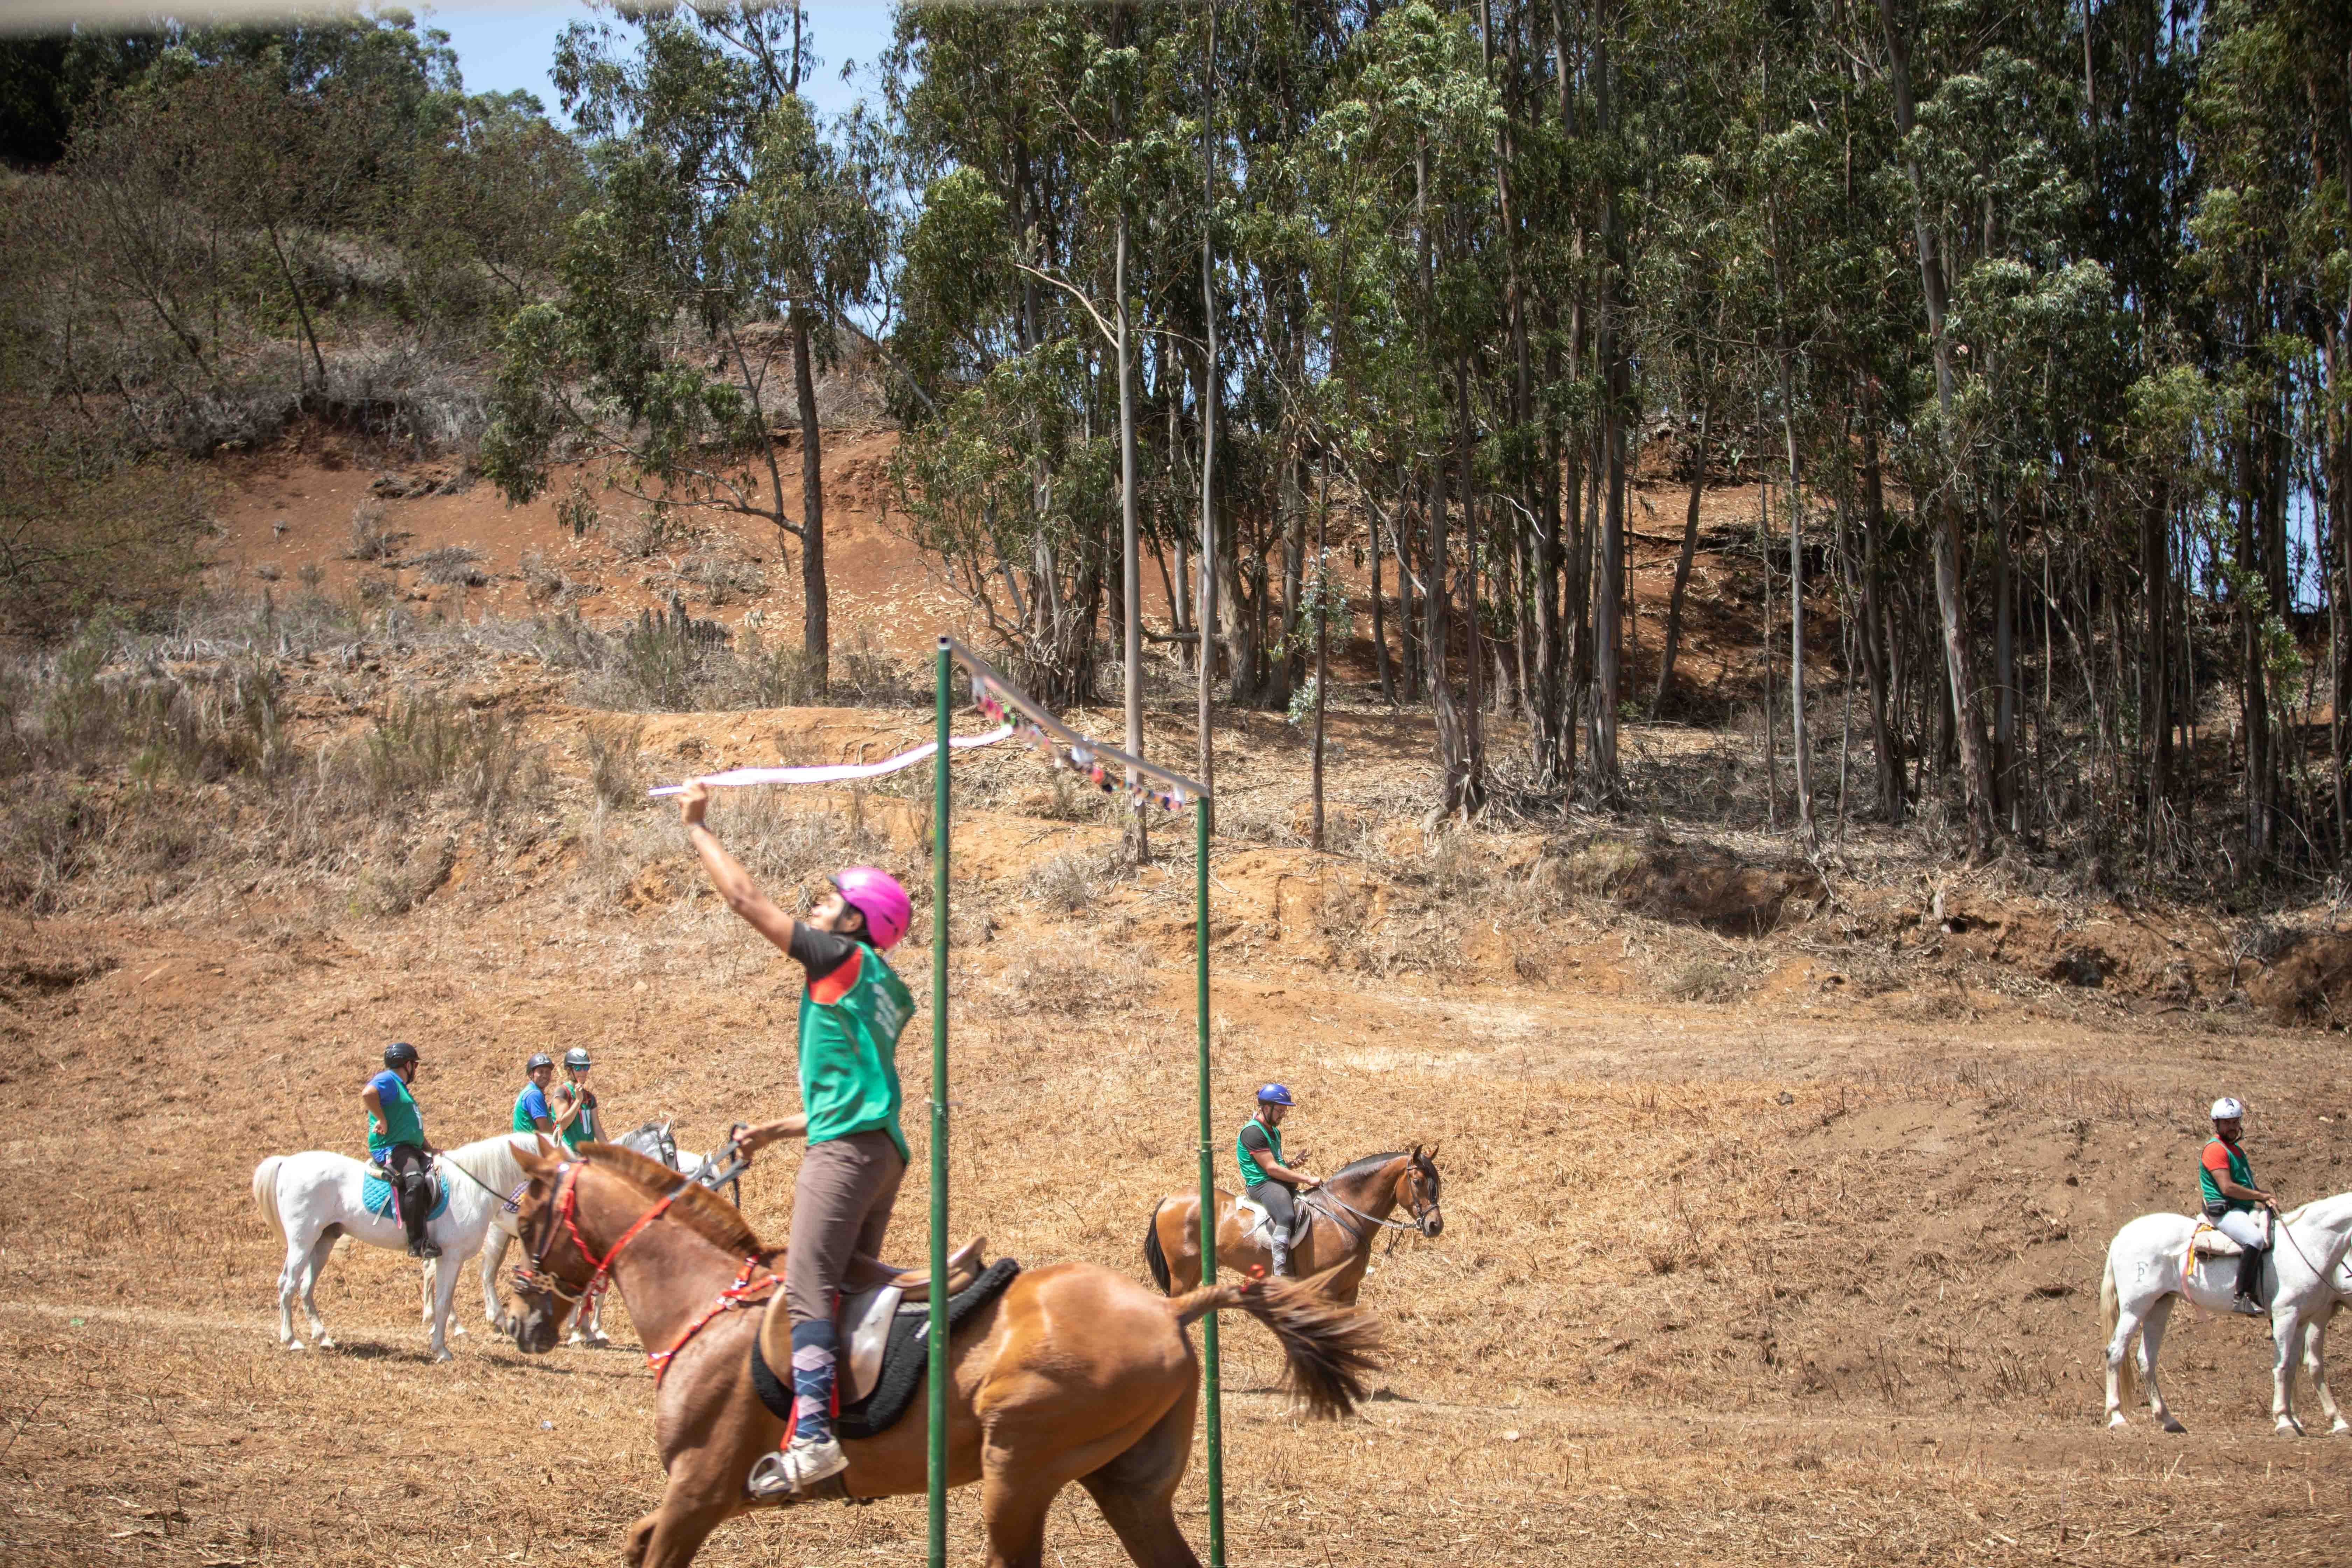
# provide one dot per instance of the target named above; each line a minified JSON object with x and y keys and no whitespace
{"x":504,"y":47}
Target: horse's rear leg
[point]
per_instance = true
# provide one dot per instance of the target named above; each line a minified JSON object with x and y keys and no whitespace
{"x":2151,"y":1341}
{"x":494,"y":1252}
{"x":1136,"y":1491}
{"x":1015,"y":1494}
{"x":301,"y":1277}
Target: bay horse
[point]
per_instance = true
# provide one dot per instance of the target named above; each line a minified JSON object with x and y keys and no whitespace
{"x":1074,"y":1373}
{"x":2149,"y":1269}
{"x":1347,"y":1210}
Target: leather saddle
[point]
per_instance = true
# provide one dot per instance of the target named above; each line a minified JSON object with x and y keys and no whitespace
{"x":872,"y":1291}
{"x":1257,"y":1224}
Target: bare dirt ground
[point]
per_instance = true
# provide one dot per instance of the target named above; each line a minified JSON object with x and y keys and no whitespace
{"x":1774,"y":1242}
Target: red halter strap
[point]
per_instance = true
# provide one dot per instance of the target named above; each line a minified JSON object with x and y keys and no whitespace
{"x":534,"y":1275}
{"x":746,"y":1291}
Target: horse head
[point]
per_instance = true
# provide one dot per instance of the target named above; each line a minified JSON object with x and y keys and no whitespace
{"x":1420,"y":1190}
{"x":557,"y":1272}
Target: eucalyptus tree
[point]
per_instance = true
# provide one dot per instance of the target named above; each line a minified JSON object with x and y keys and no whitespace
{"x":728,"y":234}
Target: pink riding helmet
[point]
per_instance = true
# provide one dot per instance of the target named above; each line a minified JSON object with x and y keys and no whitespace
{"x":876,"y":895}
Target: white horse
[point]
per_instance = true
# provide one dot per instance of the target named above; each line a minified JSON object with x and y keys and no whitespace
{"x":655,"y":1141}
{"x":2314,"y":1353}
{"x":2146,"y":1274}
{"x":312,"y":1198}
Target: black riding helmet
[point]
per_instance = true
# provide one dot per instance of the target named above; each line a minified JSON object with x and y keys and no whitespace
{"x":539,"y":1059}
{"x":397,"y":1052}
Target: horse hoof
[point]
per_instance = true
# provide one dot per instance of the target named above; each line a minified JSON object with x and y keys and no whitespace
{"x":325,"y":1341}
{"x":291,"y":1345}
{"x":2287,"y":1426}
{"x":456,"y":1328}
{"x":2116,"y":1422}
{"x":442,"y":1354}
{"x":2172,"y":1423}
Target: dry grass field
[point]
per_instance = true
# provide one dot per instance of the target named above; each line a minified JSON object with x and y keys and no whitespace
{"x":1802,"y":1278}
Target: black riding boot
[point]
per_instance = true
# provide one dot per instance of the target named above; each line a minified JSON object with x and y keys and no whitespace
{"x":2250,"y":1274}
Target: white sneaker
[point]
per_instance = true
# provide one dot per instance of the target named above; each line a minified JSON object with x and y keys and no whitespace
{"x":792,"y":1470}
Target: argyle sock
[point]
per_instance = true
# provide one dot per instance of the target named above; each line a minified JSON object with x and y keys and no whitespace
{"x":814,"y":1346}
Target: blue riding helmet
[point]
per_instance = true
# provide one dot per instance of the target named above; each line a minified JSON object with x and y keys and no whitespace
{"x":1274,"y":1094}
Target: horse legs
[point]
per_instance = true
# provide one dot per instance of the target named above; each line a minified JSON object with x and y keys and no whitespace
{"x":494,"y":1253}
{"x":445,"y":1294}
{"x":312,"y":1267}
{"x":1136,"y":1491}
{"x":2287,"y":1347}
{"x":693,"y":1505}
{"x":432,"y":1289}
{"x":2151,"y":1341}
{"x":2118,"y":1357}
{"x":2314,"y":1362}
{"x":1015,"y":1494}
{"x":292,"y":1282}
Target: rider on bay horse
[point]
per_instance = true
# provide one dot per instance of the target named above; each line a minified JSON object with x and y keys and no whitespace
{"x":1270,"y":1182}
{"x":852,"y":1010}
{"x":2225,"y":1178}
{"x":396,"y":1141}
{"x":530,"y":1111}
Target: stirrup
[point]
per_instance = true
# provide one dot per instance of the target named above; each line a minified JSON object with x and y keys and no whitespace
{"x":2246,"y":1306}
{"x":426,"y":1248}
{"x":794,"y":1470}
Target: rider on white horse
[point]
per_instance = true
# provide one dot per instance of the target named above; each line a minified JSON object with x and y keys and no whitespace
{"x":1258,"y":1151}
{"x":396,"y":1141}
{"x":2226,"y":1178}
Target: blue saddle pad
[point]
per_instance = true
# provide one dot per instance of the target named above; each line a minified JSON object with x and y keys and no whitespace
{"x":376,"y":1194}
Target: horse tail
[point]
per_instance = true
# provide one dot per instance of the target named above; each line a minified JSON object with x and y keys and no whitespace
{"x":1154,"y":1258}
{"x":265,"y":1193}
{"x":2110,"y":1310}
{"x":1326,"y":1349}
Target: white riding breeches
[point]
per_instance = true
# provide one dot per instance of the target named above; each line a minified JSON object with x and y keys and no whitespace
{"x":2245,"y":1229}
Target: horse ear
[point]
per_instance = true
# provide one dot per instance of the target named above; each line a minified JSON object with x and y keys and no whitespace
{"x":1416,"y":1151}
{"x":1434,"y":1148}
{"x":537,"y":1159}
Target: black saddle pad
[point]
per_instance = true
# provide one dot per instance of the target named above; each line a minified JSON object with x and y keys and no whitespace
{"x":905,"y":1359}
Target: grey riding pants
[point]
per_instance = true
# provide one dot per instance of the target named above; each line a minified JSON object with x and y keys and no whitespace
{"x":841,"y":1206}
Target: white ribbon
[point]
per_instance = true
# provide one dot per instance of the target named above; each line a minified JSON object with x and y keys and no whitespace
{"x":737,"y":777}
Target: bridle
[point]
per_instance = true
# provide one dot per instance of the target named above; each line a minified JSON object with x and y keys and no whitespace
{"x":533,"y":1275}
{"x":1422,"y":1213}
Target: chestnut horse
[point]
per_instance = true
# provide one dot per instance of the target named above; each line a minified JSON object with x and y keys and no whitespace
{"x":1076,"y":1373}
{"x":1347,"y":1210}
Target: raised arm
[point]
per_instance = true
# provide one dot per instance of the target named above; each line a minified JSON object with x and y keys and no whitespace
{"x":727,"y":873}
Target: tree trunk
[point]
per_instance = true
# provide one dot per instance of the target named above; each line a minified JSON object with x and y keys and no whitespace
{"x":1131,"y":555}
{"x":1683,"y":563}
{"x":815,"y":640}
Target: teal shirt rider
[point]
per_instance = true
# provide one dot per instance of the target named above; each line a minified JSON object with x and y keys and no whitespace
{"x":2222,"y":1159}
{"x":1253,"y":1174}
{"x":400,"y":1123}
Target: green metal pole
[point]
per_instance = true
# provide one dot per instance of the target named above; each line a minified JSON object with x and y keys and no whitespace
{"x":1208,"y":1189}
{"x":937,"y":1460}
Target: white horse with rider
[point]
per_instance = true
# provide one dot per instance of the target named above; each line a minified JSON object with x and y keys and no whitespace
{"x":312,"y":1198}
{"x":2250,"y":1259}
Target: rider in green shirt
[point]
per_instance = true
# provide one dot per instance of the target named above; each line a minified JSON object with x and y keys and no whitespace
{"x":2234,"y":1205}
{"x":578,"y":1118}
{"x":1270,"y":1182}
{"x":851,"y":1009}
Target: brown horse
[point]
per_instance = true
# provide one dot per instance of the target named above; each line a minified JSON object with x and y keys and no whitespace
{"x":1347,"y":1210}
{"x":1074,"y":1373}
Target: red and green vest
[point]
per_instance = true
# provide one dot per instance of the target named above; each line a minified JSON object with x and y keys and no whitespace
{"x":850,"y":1022}
{"x":2241,"y":1170}
{"x":1253,"y":1174}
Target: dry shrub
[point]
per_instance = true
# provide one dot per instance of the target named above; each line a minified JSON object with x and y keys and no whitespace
{"x":1702,"y":980}
{"x":1062,"y":980}
{"x":615,"y":769}
{"x":649,"y":534}
{"x":722,"y":572}
{"x":1066,"y":883}
{"x":373,"y":536}
{"x":452,"y":566}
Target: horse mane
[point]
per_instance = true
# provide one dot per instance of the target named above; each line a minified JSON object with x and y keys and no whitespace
{"x":706,"y":1214}
{"x":1367,"y":1164}
{"x":500,"y":1151}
